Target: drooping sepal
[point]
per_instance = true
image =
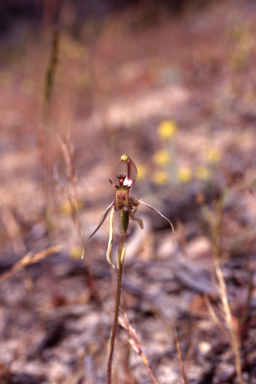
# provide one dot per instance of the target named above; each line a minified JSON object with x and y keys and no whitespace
{"x":160,"y":214}
{"x":110,"y":239}
{"x":103,"y":218}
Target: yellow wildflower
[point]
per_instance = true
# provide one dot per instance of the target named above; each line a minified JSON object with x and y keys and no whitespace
{"x":166,"y":129}
{"x":160,"y":177}
{"x":162,"y":157}
{"x":184,"y":175}
{"x":75,"y":252}
{"x":142,"y":172}
{"x":213,"y":155}
{"x":67,"y":207}
{"x":202,"y":172}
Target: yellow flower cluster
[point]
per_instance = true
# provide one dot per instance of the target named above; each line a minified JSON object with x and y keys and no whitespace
{"x":184,"y":175}
{"x":166,"y":129}
{"x":142,"y":172}
{"x":67,"y":208}
{"x":202,"y":172}
{"x":213,"y":155}
{"x":162,"y":157}
{"x":160,"y":177}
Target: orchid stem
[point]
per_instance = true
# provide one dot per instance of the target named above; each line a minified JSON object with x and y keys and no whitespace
{"x":127,"y":206}
{"x":115,"y":323}
{"x":124,"y":222}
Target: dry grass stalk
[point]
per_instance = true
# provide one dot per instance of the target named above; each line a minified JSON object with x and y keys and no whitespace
{"x":73,"y":198}
{"x":134,"y":342}
{"x":12,"y":229}
{"x":50,"y":72}
{"x":30,"y":258}
{"x":44,"y":144}
{"x":229,"y":322}
{"x":214,"y":316}
{"x":216,"y":227}
{"x":181,"y":361}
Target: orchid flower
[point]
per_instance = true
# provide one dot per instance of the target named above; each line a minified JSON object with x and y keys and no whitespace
{"x":124,"y":203}
{"x":127,"y":207}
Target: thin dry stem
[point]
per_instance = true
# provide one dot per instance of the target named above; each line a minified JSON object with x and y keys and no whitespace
{"x":12,"y":229}
{"x":180,"y":357}
{"x":230,"y":323}
{"x":216,"y":225}
{"x":134,"y":342}
{"x":214,"y":316}
{"x":50,"y":72}
{"x":29,"y":258}
{"x":68,"y":154}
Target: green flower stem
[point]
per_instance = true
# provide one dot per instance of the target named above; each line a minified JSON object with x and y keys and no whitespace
{"x":124,"y":222}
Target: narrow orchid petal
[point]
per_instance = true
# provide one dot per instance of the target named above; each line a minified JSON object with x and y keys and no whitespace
{"x":101,"y":220}
{"x":111,"y":182}
{"x":135,"y":204}
{"x":128,"y":168}
{"x":133,"y":217}
{"x":110,"y":239}
{"x":160,"y":214}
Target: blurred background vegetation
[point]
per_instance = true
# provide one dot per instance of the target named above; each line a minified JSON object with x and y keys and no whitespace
{"x":170,"y":83}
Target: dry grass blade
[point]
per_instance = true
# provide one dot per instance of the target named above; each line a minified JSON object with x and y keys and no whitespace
{"x":230,"y":323}
{"x":30,"y":258}
{"x":12,"y":229}
{"x":72,"y":194}
{"x":49,"y":76}
{"x":133,"y":340}
{"x":215,"y":220}
{"x":214,"y":316}
{"x":73,"y":198}
{"x":181,"y":361}
{"x":68,"y":153}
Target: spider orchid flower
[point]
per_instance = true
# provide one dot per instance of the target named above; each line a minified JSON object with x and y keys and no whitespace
{"x":126,"y":205}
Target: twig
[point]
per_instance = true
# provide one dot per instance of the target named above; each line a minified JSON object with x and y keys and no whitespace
{"x":230,"y":323}
{"x":29,"y":258}
{"x":216,"y":226}
{"x":134,"y":342}
{"x":180,"y":357}
{"x":68,"y":154}
{"x":214,"y":316}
